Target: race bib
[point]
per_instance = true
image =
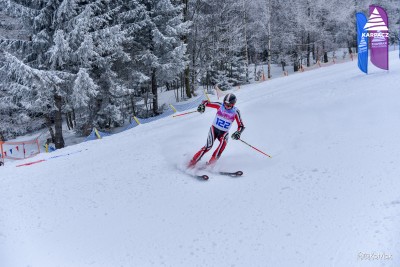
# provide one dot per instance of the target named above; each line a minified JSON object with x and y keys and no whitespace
{"x":222,"y":124}
{"x":224,"y":119}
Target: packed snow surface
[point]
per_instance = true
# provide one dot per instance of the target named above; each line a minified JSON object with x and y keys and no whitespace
{"x":329,"y":196}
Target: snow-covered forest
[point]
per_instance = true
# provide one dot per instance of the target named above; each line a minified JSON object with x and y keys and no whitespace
{"x":85,"y":63}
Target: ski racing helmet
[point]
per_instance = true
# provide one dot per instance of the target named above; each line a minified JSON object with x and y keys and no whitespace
{"x":230,"y":100}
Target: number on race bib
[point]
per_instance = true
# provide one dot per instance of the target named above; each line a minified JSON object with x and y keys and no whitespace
{"x":222,"y":123}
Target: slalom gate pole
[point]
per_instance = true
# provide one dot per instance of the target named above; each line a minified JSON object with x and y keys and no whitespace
{"x":185,"y":113}
{"x":255,"y":148}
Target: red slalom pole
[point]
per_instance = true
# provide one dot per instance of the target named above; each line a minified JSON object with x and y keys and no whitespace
{"x":255,"y":148}
{"x":185,"y":113}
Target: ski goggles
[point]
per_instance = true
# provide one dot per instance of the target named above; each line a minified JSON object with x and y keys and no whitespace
{"x":228,"y":105}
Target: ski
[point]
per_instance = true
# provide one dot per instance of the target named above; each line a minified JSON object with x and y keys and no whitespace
{"x":232,"y":174}
{"x":196,"y":172}
{"x":192,"y":173}
{"x":198,"y":176}
{"x":204,"y":177}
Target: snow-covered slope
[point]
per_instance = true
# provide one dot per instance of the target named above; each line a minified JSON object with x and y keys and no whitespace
{"x":329,"y":195}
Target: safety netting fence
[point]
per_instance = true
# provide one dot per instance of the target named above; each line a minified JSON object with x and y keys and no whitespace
{"x":172,"y":109}
{"x":178,"y":107}
{"x":19,"y":150}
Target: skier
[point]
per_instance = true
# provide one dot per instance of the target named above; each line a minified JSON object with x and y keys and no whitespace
{"x":226,"y":114}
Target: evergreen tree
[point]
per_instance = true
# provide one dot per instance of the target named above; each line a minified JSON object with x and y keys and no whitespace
{"x":160,"y":48}
{"x":84,"y":92}
{"x":66,"y":36}
{"x":41,"y":62}
{"x":26,"y":86}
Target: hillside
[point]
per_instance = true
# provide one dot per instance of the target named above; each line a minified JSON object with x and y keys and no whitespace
{"x":328,"y":196}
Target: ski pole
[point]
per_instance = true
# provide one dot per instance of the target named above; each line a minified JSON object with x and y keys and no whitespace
{"x":255,"y":148}
{"x":185,"y":113}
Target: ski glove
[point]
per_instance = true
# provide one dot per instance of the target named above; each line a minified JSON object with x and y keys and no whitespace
{"x":201,"y":108}
{"x":236,"y":135}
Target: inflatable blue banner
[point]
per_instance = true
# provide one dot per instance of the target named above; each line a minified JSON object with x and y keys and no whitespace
{"x":362,"y":42}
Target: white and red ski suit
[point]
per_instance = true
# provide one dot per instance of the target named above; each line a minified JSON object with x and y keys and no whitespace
{"x":219,"y":130}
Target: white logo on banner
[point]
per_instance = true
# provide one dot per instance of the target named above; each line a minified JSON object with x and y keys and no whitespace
{"x":363,"y":46}
{"x":375,"y":22}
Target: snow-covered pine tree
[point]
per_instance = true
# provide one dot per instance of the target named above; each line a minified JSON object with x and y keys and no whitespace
{"x":26,"y":86}
{"x":198,"y":41}
{"x":68,"y":35}
{"x":218,"y":40}
{"x":161,"y":50}
{"x":42,"y":60}
{"x":132,"y":17}
{"x":15,"y":119}
{"x":83,"y":99}
{"x":108,"y":38}
{"x":95,"y":41}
